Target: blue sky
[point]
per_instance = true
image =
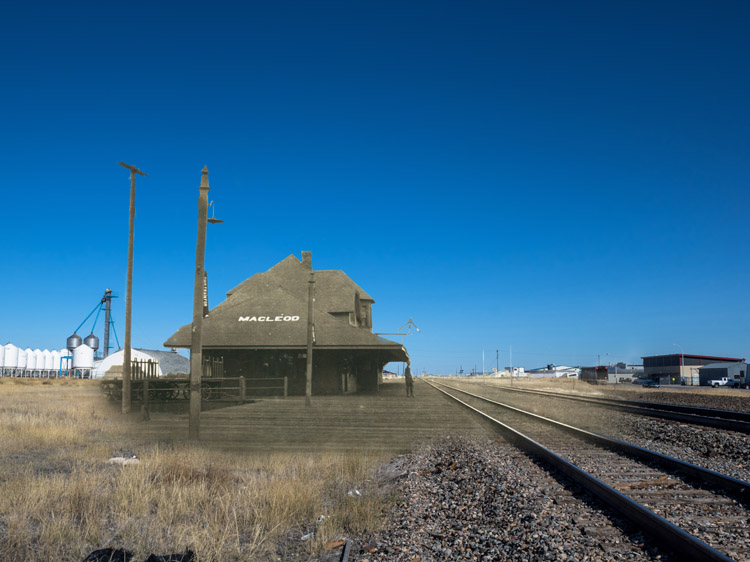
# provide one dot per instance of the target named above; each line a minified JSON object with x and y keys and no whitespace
{"x":566,"y":178}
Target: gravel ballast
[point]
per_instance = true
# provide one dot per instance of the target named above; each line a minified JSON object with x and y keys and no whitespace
{"x":484,"y":500}
{"x":717,"y":449}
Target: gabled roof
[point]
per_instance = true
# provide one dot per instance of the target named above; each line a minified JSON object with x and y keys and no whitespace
{"x":275,"y":319}
{"x":289,"y":272}
{"x":332,"y":285}
{"x":269,"y":310}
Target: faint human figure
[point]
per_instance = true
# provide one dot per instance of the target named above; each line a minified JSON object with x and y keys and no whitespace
{"x":409,"y":381}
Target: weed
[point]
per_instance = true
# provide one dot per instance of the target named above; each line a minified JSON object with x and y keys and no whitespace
{"x":60,"y":499}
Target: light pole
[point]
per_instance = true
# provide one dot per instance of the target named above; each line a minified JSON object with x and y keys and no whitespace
{"x":126,"y":353}
{"x":682,"y":361}
{"x":196,"y":344}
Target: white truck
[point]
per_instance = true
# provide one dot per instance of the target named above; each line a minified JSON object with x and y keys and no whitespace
{"x":726,"y":381}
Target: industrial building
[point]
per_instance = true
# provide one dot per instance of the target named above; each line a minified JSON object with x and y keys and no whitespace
{"x":260,"y":331}
{"x":736,"y":373}
{"x":678,"y":368}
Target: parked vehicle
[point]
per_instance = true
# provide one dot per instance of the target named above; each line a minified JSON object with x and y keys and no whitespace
{"x":650,"y":384}
{"x":723,"y":381}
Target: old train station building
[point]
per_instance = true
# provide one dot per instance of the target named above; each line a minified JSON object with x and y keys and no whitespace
{"x":260,"y":331}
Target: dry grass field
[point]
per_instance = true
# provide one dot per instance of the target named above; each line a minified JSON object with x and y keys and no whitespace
{"x":60,"y":498}
{"x":703,"y":396}
{"x":582,"y":387}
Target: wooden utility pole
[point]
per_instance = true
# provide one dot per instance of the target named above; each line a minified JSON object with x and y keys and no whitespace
{"x":196,"y":343}
{"x":310,"y":339}
{"x":126,"y":353}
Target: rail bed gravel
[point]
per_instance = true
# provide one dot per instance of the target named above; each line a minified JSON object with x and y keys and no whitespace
{"x":720,"y":450}
{"x":701,"y":397}
{"x":484,"y":500}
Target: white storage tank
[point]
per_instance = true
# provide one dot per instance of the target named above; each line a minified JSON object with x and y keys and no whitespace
{"x":11,"y":356}
{"x":48,"y":364}
{"x":65,"y":363}
{"x":39,"y":359}
{"x":30,"y":359}
{"x":21,"y":358}
{"x":55,"y":361}
{"x":2,"y":355}
{"x":83,"y":357}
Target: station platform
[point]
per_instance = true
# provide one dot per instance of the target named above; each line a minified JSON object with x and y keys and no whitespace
{"x":388,"y":421}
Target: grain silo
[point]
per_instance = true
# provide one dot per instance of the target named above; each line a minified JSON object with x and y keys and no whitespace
{"x":21,"y":368}
{"x":83,"y":361}
{"x":10,"y":363}
{"x":30,"y":362}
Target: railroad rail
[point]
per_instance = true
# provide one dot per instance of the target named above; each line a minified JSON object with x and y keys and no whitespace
{"x":710,"y":417}
{"x":634,"y":483}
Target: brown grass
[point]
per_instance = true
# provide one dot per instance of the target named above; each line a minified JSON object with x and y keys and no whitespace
{"x":59,"y":499}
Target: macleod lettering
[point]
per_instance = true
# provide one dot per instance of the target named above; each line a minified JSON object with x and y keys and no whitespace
{"x":268,"y":318}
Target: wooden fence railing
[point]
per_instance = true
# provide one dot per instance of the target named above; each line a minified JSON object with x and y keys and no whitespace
{"x":237,"y":390}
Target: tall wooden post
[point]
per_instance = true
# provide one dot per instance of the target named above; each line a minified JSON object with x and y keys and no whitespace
{"x":196,"y":351}
{"x":126,"y":353}
{"x":310,"y":339}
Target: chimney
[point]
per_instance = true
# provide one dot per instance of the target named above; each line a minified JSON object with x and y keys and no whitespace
{"x":307,"y":260}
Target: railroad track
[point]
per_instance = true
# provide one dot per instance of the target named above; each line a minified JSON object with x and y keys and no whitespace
{"x":697,"y":513}
{"x":721,"y":419}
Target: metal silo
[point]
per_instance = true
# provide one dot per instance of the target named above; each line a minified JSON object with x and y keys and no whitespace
{"x":22,"y":363}
{"x":30,"y":361}
{"x":39,"y":360}
{"x":74,"y":341}
{"x":11,"y":356}
{"x":55,"y":361}
{"x":48,"y":364}
{"x":83,"y":357}
{"x":2,"y":358}
{"x":92,"y":341}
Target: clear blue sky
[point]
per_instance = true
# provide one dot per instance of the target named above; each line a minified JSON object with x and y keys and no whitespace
{"x":569,"y":178}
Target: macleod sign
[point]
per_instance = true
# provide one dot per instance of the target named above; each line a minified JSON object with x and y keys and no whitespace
{"x":268,"y":318}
